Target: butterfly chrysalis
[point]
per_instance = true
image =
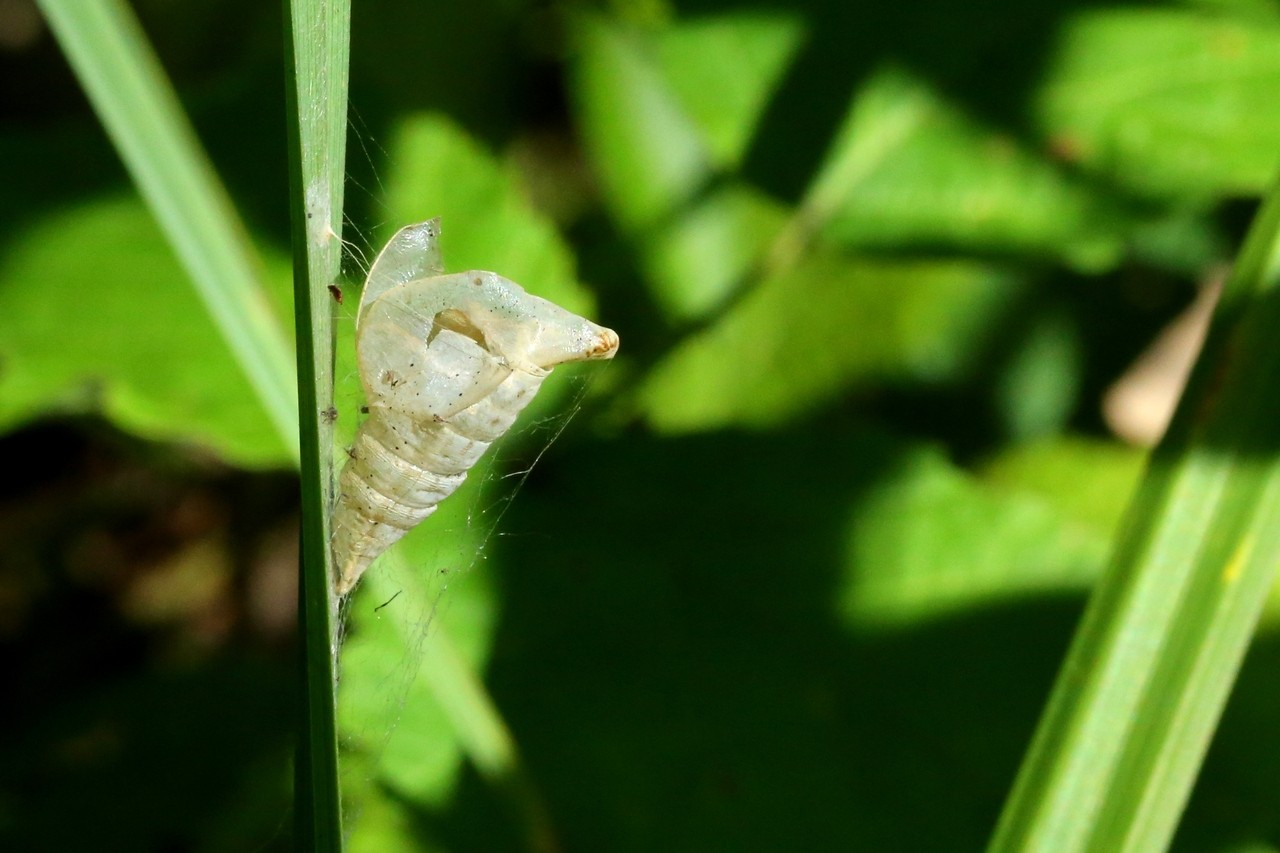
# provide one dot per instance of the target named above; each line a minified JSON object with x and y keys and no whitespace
{"x":447,"y":362}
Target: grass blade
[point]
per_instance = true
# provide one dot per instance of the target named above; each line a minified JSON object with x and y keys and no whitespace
{"x":1132,"y":713}
{"x":140,"y":111}
{"x":317,"y":47}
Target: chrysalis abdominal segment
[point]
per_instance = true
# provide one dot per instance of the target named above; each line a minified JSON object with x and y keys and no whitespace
{"x":447,"y":362}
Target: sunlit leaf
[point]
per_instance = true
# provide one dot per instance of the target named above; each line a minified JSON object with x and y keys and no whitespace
{"x":722,"y":70}
{"x":647,"y":151}
{"x":804,"y":337}
{"x":705,"y":255}
{"x":98,"y":316}
{"x":1087,"y":481}
{"x":909,"y":169}
{"x":1167,"y":101}
{"x":934,"y":540}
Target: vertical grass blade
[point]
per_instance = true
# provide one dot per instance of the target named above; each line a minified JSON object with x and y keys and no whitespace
{"x":140,"y":111}
{"x":317,"y":44}
{"x":1132,"y":713}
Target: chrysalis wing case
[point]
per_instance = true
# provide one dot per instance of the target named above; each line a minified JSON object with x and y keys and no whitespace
{"x":447,"y":362}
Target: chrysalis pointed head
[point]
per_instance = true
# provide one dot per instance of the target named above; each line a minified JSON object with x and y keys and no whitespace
{"x":546,"y":334}
{"x":571,"y":339}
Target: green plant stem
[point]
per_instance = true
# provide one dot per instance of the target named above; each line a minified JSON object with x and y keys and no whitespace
{"x":140,"y":111}
{"x":1135,"y":706}
{"x":316,"y":49}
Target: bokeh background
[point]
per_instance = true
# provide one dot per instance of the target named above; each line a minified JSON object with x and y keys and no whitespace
{"x":904,"y":289}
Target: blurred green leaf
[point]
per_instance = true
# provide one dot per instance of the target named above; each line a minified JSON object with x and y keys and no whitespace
{"x":908,"y":168}
{"x":722,"y":70}
{"x":1169,"y":102}
{"x":96,"y":317}
{"x":697,"y":261}
{"x":137,"y":106}
{"x":647,"y":152}
{"x":382,"y":822}
{"x":1037,"y":391}
{"x":1185,"y":240}
{"x":826,"y":327}
{"x":933,"y":540}
{"x":1086,"y":480}
{"x":437,"y":169}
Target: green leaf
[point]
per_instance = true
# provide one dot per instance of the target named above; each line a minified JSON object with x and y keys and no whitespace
{"x":97,"y":317}
{"x":826,"y":327}
{"x":909,"y":169}
{"x":1037,"y":391}
{"x":1086,"y":480}
{"x":647,"y":152}
{"x":722,"y":70}
{"x":701,"y":258}
{"x":906,"y":169}
{"x":317,"y":44}
{"x":1142,"y":690}
{"x":140,"y":111}
{"x":488,"y":223}
{"x":1166,"y":101}
{"x":933,"y":540}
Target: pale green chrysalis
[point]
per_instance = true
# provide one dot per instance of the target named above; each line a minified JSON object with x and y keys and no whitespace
{"x":447,"y":362}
